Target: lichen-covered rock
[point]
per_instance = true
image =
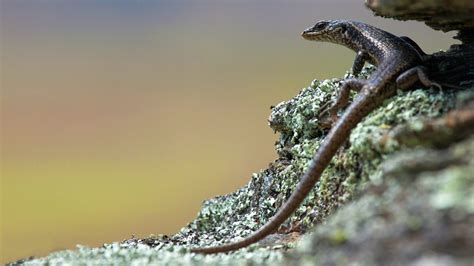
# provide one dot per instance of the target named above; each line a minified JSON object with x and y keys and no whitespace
{"x":374,"y":213}
{"x":416,"y":217}
{"x":141,"y":254}
{"x":240,"y":213}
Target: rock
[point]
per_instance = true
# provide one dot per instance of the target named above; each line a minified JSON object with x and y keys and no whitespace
{"x":438,"y":14}
{"x":360,"y":210}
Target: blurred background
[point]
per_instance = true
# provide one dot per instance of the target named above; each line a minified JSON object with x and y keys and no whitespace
{"x":120,"y":117}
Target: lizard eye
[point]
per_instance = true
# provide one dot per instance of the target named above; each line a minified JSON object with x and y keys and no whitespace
{"x":320,"y":26}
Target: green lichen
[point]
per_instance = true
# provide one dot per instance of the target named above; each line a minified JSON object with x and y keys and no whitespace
{"x":141,"y":254}
{"x":404,"y":220}
{"x":236,"y":215}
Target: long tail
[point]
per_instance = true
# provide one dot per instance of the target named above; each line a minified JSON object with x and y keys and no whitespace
{"x":362,"y":105}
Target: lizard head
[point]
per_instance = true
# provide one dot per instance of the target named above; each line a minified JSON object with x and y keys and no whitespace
{"x":326,"y":31}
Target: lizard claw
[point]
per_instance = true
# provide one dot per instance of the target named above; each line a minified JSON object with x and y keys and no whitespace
{"x":437,"y":85}
{"x":322,"y":114}
{"x":327,"y":117}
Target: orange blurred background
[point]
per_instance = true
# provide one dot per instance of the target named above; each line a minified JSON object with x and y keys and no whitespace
{"x":120,"y":117}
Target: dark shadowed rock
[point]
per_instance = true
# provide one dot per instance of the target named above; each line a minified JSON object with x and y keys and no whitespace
{"x":438,"y":14}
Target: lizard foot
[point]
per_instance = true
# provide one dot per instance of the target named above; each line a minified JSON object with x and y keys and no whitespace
{"x":328,"y":116}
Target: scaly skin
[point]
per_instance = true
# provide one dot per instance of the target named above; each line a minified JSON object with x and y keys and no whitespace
{"x":397,"y":63}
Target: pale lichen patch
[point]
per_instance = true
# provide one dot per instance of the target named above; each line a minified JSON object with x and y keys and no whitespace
{"x":351,"y":171}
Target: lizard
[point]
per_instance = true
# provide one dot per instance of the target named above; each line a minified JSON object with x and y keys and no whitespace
{"x":398,"y":62}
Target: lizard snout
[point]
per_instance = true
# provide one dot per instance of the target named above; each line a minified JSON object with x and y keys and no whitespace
{"x":307,"y":32}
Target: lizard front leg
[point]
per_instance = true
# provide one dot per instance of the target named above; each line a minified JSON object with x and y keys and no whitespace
{"x":359,"y":62}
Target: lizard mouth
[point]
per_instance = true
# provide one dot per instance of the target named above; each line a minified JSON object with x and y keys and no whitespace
{"x":310,"y":34}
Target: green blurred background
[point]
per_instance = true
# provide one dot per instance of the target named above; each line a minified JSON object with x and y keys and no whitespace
{"x":120,"y":117}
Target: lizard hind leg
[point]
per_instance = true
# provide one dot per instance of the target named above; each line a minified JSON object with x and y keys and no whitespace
{"x":412,"y":75}
{"x":414,"y":45}
{"x":342,"y":99}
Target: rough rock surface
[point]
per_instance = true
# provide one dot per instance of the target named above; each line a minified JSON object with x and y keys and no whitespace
{"x":446,"y":15}
{"x":370,"y":206}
